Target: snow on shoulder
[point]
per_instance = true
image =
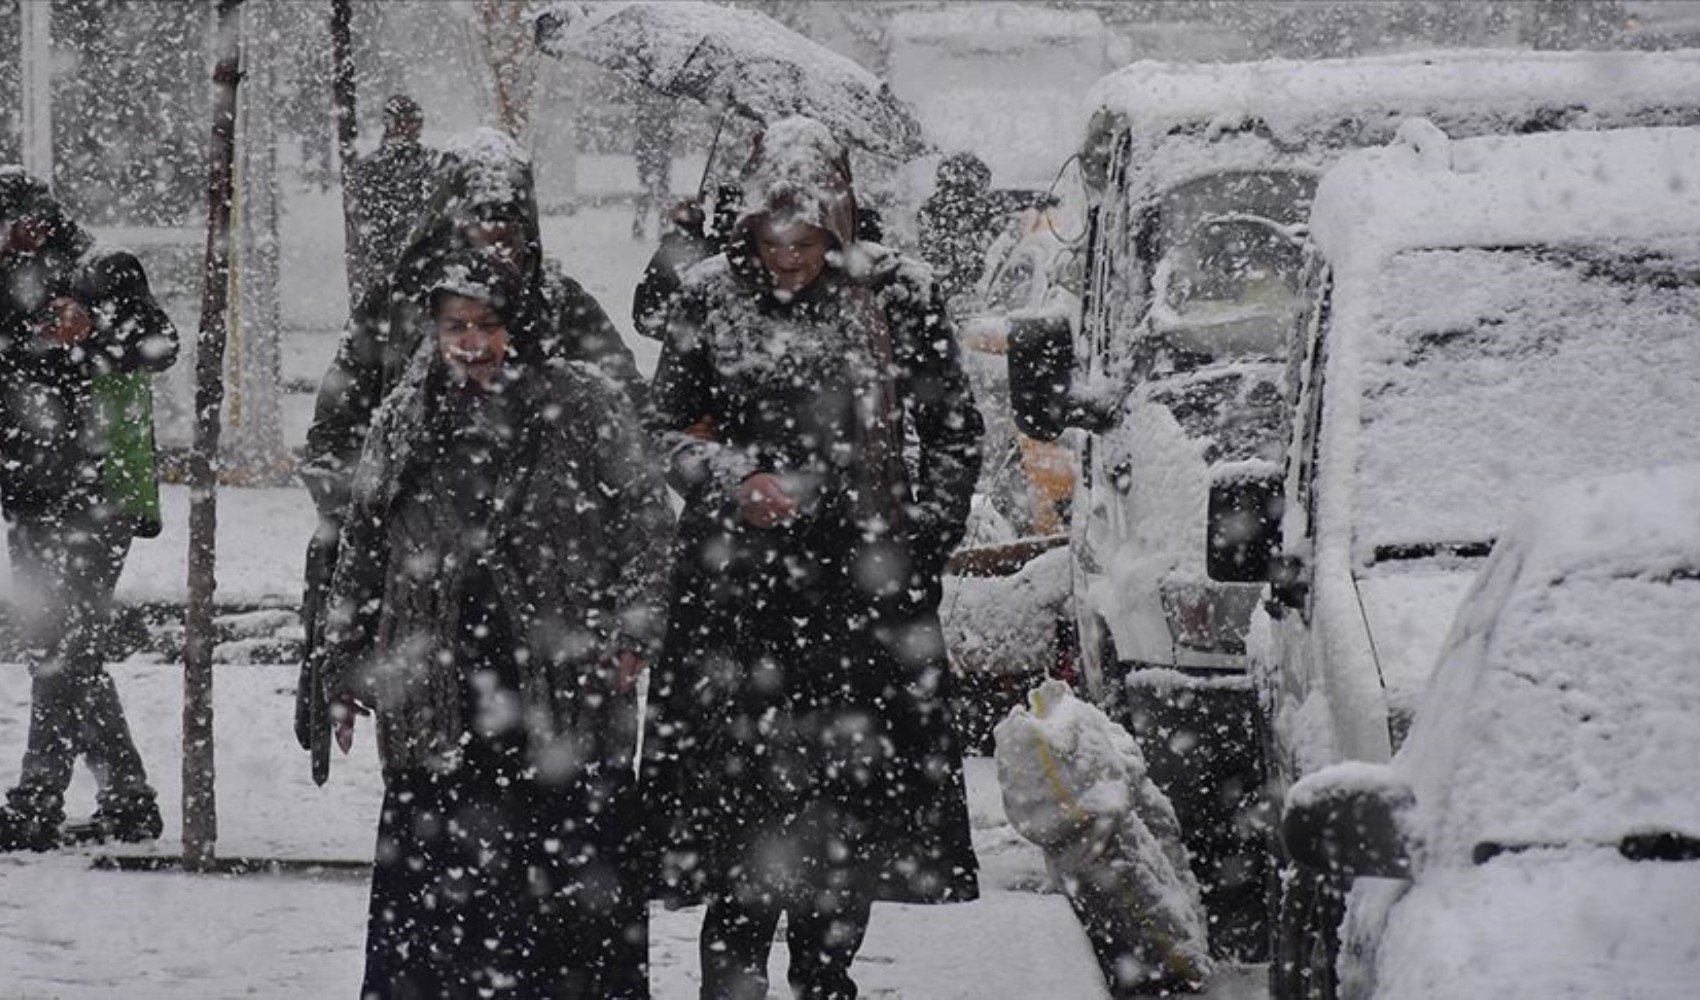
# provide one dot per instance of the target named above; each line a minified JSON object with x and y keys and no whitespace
{"x":1558,"y":187}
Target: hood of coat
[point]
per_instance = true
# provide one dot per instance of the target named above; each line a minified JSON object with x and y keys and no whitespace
{"x":405,"y":430}
{"x":486,"y":177}
{"x":25,"y":196}
{"x":798,"y":173}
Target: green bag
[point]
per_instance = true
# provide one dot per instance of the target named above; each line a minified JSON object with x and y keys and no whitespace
{"x":129,"y":479}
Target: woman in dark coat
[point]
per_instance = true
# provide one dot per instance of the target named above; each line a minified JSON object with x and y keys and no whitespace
{"x":821,"y":431}
{"x":496,"y":595}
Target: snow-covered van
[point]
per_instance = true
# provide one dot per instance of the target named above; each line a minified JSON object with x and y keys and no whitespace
{"x":1200,"y":274}
{"x":1493,"y":316}
{"x":1538,"y":835}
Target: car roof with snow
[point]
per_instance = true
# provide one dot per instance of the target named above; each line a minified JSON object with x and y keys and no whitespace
{"x":1566,"y":705}
{"x":1158,"y":96}
{"x":1430,"y":191}
{"x":1190,"y":120}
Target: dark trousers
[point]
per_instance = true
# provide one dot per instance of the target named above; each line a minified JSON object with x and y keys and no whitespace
{"x":65,"y":571}
{"x":823,"y":935}
{"x":488,"y":883}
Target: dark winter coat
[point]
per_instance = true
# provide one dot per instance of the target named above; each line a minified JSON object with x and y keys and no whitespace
{"x":804,"y":733}
{"x":392,"y":188}
{"x":689,"y":236}
{"x":574,"y":549}
{"x":491,"y":180}
{"x":958,"y":222}
{"x":50,"y":446}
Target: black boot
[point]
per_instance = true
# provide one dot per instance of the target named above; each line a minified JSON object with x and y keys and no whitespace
{"x":21,"y":830}
{"x":130,"y":820}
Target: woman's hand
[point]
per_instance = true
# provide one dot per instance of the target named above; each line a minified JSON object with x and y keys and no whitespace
{"x":764,"y":502}
{"x":344,"y":710}
{"x":71,"y":324}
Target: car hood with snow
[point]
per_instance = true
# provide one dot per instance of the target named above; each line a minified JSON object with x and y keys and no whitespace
{"x":1567,"y":708}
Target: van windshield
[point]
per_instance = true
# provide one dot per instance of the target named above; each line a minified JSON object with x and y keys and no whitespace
{"x":1488,"y":375}
{"x":1229,"y":266}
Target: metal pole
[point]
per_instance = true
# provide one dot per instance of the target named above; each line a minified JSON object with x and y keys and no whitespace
{"x":200,"y":817}
{"x":347,"y":129}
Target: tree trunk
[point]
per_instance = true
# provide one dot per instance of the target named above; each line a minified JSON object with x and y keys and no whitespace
{"x":506,"y":34}
{"x":347,"y":131}
{"x":200,"y":817}
{"x":254,"y":453}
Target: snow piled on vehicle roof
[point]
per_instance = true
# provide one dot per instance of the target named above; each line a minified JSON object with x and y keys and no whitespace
{"x":1563,"y":712}
{"x":1288,"y":95}
{"x":1428,"y":191}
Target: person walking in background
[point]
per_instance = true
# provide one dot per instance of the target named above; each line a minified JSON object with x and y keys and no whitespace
{"x":957,"y":222}
{"x":691,"y":233}
{"x":485,"y":198}
{"x":498,"y":592}
{"x":391,"y":189}
{"x":72,"y":317}
{"x":802,"y":762}
{"x":652,"y":147}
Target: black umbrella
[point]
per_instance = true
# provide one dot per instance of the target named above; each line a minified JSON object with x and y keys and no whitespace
{"x":736,"y":60}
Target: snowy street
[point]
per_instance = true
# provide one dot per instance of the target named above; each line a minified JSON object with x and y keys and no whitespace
{"x":70,"y":932}
{"x":1215,"y":484}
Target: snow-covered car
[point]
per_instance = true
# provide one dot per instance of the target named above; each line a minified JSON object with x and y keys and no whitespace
{"x":1199,"y":277}
{"x":1538,"y":834}
{"x":1495,"y":316}
{"x":1199,"y":181}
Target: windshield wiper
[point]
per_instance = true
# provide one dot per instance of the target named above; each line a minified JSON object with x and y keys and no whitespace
{"x":1657,"y":845}
{"x":1661,"y":845}
{"x":1429,"y":550}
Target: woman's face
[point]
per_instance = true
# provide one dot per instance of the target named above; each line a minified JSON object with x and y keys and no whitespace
{"x":472,"y":338}
{"x":794,"y":253}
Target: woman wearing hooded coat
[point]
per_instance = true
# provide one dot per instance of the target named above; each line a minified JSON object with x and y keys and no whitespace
{"x":497,"y":590}
{"x":820,"y":429}
{"x":486,"y":198}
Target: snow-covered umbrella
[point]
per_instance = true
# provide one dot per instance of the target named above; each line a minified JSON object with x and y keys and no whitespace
{"x":737,"y":60}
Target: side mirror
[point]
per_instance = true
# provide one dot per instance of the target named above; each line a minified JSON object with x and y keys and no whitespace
{"x":1289,"y":585}
{"x":1350,"y":819}
{"x":1041,"y":379}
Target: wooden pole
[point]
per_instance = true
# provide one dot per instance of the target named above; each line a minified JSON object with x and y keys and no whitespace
{"x":200,"y":816}
{"x":347,"y":130}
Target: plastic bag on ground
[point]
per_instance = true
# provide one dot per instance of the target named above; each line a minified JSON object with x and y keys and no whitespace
{"x":1074,"y":783}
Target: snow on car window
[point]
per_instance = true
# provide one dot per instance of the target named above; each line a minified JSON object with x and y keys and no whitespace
{"x":1492,"y":373}
{"x":1228,"y":266}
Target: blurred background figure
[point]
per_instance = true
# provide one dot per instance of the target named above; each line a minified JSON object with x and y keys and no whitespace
{"x":691,"y":232}
{"x":957,"y":223}
{"x":653,"y":149}
{"x":77,"y":484}
{"x":391,"y":188}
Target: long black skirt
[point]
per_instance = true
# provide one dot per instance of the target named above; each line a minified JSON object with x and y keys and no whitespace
{"x":487,"y":882}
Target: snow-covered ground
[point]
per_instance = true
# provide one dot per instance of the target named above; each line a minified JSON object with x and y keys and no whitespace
{"x":69,"y":931}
